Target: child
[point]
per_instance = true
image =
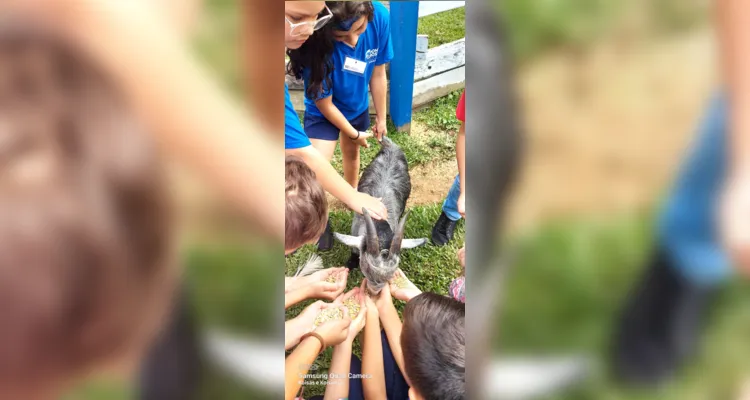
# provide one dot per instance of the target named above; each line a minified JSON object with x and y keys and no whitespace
{"x":454,"y":207}
{"x":427,"y":350}
{"x":306,"y":215}
{"x":341,"y":65}
{"x":306,"y":205}
{"x":302,"y":19}
{"x":87,"y":264}
{"x":433,"y":343}
{"x":339,"y":333}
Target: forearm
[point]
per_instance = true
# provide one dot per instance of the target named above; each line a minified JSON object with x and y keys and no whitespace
{"x":297,"y":364}
{"x":392,"y":327}
{"x":289,"y":283}
{"x":182,"y":105}
{"x":379,"y":90}
{"x":295,"y":296}
{"x":461,"y":156}
{"x":372,"y":361}
{"x":338,"y":388}
{"x":331,"y":181}
{"x":334,"y":116}
{"x":734,"y":35}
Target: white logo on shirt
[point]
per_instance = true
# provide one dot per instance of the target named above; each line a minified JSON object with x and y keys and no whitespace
{"x":371,"y":54}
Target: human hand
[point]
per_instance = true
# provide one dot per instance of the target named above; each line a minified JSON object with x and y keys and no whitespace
{"x":735,"y":217}
{"x":358,"y":321}
{"x":302,"y":324}
{"x":405,"y":293}
{"x":362,"y":140}
{"x":318,"y":286}
{"x":462,"y":205}
{"x":372,"y":308}
{"x":374,"y":206}
{"x":383,"y":299}
{"x":336,"y":331}
{"x":380,"y":129}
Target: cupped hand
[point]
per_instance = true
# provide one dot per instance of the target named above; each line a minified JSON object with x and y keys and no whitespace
{"x":406,"y":293}
{"x":320,"y":288}
{"x":383,"y":299}
{"x":303,"y":323}
{"x":358,"y":321}
{"x":336,"y":331}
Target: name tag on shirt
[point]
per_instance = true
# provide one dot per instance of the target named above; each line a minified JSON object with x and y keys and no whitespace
{"x":355,"y":66}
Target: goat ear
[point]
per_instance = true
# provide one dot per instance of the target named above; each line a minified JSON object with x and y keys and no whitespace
{"x":371,"y":234}
{"x":412,"y":243}
{"x":351,"y":241}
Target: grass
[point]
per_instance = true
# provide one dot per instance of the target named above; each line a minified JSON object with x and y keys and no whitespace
{"x":444,"y":27}
{"x":217,"y":41}
{"x":535,"y":26}
{"x":567,"y":289}
{"x":430,"y":268}
{"x":440,"y":115}
{"x":218,"y":276}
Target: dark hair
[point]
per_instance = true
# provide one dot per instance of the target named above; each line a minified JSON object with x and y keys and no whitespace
{"x":433,"y":343}
{"x":85,"y":231}
{"x":317,"y":51}
{"x":306,"y":204}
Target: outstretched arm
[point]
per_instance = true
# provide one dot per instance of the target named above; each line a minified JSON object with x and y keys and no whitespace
{"x":187,"y":112}
{"x":734,"y":34}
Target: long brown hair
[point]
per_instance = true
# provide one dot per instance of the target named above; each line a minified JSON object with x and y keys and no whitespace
{"x":316,"y":52}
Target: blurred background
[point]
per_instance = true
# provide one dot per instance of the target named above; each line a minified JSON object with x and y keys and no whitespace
{"x":612,"y":93}
{"x":229,"y":267}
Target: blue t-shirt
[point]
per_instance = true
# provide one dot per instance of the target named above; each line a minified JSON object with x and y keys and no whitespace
{"x":350,"y":88}
{"x":294,"y":135}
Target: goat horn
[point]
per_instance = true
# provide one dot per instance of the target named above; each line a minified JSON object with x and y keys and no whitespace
{"x":371,"y":234}
{"x":398,"y":236}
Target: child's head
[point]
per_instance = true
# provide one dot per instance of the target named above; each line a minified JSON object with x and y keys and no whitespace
{"x":350,"y":18}
{"x":84,"y":233}
{"x":299,"y":12}
{"x":306,"y":205}
{"x":433,"y":345}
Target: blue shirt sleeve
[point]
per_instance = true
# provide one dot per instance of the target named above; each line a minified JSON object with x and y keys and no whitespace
{"x":385,"y":53}
{"x":325,"y":92}
{"x":294,"y":135}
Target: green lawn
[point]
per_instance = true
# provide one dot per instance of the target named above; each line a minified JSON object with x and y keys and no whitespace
{"x":567,"y":288}
{"x":430,"y":268}
{"x":444,"y":27}
{"x":536,"y":26}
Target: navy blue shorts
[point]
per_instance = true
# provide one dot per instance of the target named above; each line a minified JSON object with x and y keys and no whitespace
{"x":320,"y":128}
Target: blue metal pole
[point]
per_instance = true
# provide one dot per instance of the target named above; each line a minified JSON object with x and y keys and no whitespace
{"x":404,"y":20}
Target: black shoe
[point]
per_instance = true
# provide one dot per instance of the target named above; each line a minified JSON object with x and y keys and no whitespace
{"x":442,"y":232}
{"x":660,"y":326}
{"x":325,"y":243}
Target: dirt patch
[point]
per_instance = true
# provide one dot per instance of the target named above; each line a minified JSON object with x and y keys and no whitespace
{"x":607,"y":129}
{"x":429,"y":184}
